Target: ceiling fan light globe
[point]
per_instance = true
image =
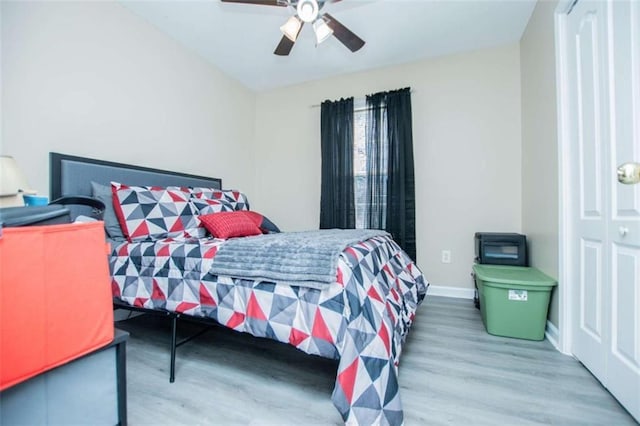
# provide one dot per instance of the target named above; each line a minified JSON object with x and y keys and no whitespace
{"x":291,"y":28}
{"x":322,"y":30}
{"x":307,"y":10}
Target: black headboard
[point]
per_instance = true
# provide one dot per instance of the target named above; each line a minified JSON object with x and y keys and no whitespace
{"x":71,"y":175}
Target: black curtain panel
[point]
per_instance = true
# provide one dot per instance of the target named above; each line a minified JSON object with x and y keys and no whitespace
{"x":375,"y":209}
{"x":401,"y":201}
{"x":337,"y":201}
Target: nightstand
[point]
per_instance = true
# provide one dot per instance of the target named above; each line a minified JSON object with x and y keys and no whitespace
{"x":91,"y":389}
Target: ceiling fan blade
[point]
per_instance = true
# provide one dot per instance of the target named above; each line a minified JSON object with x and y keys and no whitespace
{"x":322,"y":3}
{"x":285,"y":45}
{"x":281,"y":3}
{"x":342,"y":33}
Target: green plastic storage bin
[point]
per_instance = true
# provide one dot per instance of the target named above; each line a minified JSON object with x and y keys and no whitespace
{"x":513,"y":300}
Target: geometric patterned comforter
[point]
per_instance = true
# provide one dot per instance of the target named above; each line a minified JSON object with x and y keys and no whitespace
{"x":362,"y":319}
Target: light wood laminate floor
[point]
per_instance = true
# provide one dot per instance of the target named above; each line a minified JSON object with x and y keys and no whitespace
{"x":451,"y":373}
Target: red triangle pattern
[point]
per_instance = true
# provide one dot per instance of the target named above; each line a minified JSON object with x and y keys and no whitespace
{"x":236,"y":319}
{"x":398,"y":285}
{"x":296,"y":337}
{"x":374,"y":294}
{"x":176,"y":196}
{"x":123,"y":250}
{"x":391,"y":314}
{"x":209,"y":254}
{"x":140,"y":301}
{"x":185,"y":306}
{"x":387,"y":270}
{"x":115,"y":289}
{"x":177,"y":226}
{"x":394,"y":293}
{"x":340,"y":277}
{"x":320,"y":329}
{"x":157,"y":292}
{"x":254,"y":310}
{"x":164,"y":251}
{"x":384,"y":336}
{"x":205,"y":297}
{"x":347,"y":379}
{"x":141,"y":230}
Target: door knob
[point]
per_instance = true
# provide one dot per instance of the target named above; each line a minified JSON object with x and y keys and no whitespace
{"x":623,"y":230}
{"x":629,"y":173}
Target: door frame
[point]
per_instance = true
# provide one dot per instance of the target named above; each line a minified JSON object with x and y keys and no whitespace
{"x":566,"y":289}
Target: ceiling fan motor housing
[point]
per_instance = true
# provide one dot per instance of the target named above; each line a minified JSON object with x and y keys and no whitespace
{"x":307,"y":10}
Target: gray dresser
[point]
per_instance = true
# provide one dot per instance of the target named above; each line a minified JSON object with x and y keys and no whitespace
{"x":90,"y":390}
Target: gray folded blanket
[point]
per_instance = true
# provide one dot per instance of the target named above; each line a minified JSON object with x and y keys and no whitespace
{"x":305,"y":259}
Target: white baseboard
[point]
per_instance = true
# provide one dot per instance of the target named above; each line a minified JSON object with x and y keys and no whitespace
{"x":552,"y":335}
{"x":457,"y":292}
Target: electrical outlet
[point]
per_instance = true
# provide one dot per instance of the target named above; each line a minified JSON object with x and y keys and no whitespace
{"x":446,"y":256}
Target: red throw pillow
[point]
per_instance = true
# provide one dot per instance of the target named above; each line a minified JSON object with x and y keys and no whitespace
{"x":229,"y":224}
{"x":254,"y":216}
{"x":265,"y":225}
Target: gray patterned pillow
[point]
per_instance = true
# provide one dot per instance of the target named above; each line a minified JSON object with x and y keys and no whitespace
{"x":236,"y":199}
{"x":111,"y":224}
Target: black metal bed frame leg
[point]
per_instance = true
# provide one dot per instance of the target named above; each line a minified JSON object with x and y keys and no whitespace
{"x":174,"y":331}
{"x":121,"y":357}
{"x":172,"y":369}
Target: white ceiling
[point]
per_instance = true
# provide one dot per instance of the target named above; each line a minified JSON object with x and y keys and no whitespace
{"x":240,"y":39}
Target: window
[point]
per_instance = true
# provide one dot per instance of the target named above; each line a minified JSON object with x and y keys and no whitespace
{"x":369,"y":189}
{"x":360,"y":165}
{"x":367,"y":165}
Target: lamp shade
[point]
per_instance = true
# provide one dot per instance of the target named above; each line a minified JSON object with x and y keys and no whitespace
{"x":291,"y":28}
{"x":322,"y":30}
{"x":12,"y":180}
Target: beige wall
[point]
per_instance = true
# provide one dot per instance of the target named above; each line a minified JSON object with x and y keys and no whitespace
{"x":466,"y":128}
{"x":539,"y":143}
{"x":92,"y":79}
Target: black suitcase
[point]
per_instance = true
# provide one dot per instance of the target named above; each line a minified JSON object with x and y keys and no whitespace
{"x":37,"y":215}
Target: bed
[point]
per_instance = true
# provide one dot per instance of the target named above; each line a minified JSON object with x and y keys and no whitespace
{"x":361,"y":317}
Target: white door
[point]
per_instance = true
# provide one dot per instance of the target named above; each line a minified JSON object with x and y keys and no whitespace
{"x":602,"y":60}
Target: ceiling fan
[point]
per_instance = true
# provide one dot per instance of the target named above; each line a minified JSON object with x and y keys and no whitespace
{"x":308,"y":11}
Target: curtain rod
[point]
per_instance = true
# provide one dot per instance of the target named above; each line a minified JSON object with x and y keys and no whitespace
{"x":355,"y":109}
